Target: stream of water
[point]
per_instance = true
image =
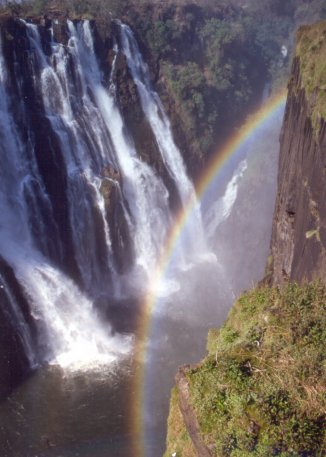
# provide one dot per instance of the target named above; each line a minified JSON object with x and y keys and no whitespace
{"x":63,"y":139}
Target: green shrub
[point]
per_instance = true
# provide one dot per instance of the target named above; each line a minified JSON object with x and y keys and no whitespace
{"x":261,"y":391}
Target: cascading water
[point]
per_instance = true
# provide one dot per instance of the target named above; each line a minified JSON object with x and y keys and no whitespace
{"x":54,"y":231}
{"x":83,"y":194}
{"x":68,"y":330}
{"x":15,"y":181}
{"x":160,"y":124}
{"x":144,"y":192}
{"x":220,"y":210}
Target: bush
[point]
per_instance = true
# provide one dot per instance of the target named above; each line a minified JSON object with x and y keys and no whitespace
{"x":261,"y":390}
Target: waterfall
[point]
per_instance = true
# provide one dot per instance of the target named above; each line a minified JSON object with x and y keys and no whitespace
{"x":81,"y":161}
{"x":69,"y":332}
{"x":144,"y":192}
{"x":73,"y":186}
{"x":160,"y":124}
{"x":220,"y":210}
{"x":73,"y":334}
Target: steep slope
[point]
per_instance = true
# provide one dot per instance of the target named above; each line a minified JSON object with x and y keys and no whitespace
{"x":261,"y":389}
{"x":299,"y":228}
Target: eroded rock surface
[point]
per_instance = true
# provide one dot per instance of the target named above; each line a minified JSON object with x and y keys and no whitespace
{"x":299,"y":228}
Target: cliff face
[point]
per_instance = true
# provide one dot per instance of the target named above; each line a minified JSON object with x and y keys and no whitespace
{"x":251,"y":394}
{"x":299,"y":228}
{"x":259,"y":391}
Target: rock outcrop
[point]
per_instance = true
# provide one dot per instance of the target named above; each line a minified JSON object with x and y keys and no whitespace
{"x":267,"y":420}
{"x":189,"y":415}
{"x":298,"y":244}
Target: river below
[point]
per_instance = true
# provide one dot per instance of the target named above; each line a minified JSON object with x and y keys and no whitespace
{"x":63,"y":413}
{"x":55,"y":413}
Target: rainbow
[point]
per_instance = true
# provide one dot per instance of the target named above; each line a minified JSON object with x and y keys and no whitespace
{"x":212,"y":173}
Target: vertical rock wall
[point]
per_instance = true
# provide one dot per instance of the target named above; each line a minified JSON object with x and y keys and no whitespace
{"x":299,"y":228}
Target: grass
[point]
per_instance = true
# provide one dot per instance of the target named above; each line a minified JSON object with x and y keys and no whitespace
{"x":311,"y":50}
{"x":178,"y":440}
{"x":261,"y":390}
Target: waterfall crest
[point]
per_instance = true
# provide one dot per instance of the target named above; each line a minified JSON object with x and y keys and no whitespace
{"x":82,"y":214}
{"x":144,"y":193}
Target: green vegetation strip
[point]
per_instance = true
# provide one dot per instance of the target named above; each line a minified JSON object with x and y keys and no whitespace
{"x":178,"y":440}
{"x":210,"y":59}
{"x":311,"y":49}
{"x":261,"y":389}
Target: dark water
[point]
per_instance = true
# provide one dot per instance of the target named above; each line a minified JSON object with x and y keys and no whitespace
{"x":177,"y":336}
{"x":64,"y":415}
{"x":59,"y":413}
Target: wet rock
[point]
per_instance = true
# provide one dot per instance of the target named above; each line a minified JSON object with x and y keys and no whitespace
{"x":116,"y":212}
{"x":13,"y":360}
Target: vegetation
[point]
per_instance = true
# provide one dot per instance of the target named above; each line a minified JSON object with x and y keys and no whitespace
{"x":210,"y":59}
{"x":179,"y":442}
{"x":213,"y":59}
{"x":311,"y":50}
{"x":91,"y":9}
{"x":214,"y":64}
{"x":261,"y":390}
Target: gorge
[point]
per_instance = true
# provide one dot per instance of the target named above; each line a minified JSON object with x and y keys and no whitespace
{"x":260,"y":389}
{"x":86,"y":217}
{"x":113,"y":263}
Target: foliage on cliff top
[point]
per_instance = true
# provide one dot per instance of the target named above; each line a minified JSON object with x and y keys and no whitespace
{"x":311,"y":50}
{"x":178,"y":439}
{"x":214,"y":59}
{"x":261,"y":391}
{"x":79,"y":9}
{"x":209,"y":58}
{"x":232,"y":48}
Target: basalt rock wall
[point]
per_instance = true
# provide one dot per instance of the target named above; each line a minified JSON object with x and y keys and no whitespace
{"x":298,"y":253}
{"x":298,"y":244}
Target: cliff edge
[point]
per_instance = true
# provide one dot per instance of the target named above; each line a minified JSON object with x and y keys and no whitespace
{"x":260,"y":391}
{"x":298,"y":244}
